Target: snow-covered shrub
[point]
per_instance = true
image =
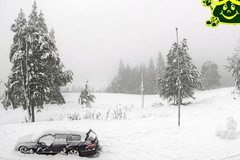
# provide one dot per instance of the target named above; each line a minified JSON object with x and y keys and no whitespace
{"x":210,"y":77}
{"x":89,"y":115}
{"x":107,"y":115}
{"x":73,"y":116}
{"x":146,"y":115}
{"x":223,"y":133}
{"x":235,"y":91}
{"x":227,"y":130}
{"x":99,"y":116}
{"x":232,"y":134}
{"x":218,"y":131}
{"x":76,"y":116}
{"x":119,"y":113}
{"x":161,"y":115}
{"x":50,"y":119}
{"x":231,"y":123}
{"x":156,"y":104}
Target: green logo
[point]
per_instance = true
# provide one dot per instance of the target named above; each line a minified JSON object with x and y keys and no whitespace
{"x":223,"y":12}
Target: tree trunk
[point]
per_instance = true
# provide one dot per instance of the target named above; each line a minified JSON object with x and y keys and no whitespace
{"x":142,"y":100}
{"x":29,"y":113}
{"x":33,"y":115}
{"x":26,"y":85}
{"x":29,"y":109}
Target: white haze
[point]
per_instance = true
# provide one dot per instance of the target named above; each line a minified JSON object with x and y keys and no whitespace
{"x":92,"y":35}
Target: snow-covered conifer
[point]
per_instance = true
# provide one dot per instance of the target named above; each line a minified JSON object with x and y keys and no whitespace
{"x":36,"y":75}
{"x":86,"y":98}
{"x":160,"y":67}
{"x":210,"y":77}
{"x":234,"y":66}
{"x":189,"y":77}
{"x":150,"y":78}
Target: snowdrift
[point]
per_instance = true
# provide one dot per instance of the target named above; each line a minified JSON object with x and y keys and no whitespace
{"x":144,"y":133}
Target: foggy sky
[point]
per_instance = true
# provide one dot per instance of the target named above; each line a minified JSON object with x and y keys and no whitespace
{"x":92,"y":35}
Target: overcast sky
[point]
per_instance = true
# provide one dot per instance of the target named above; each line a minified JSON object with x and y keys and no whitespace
{"x":92,"y":35}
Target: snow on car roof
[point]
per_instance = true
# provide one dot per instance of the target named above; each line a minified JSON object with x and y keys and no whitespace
{"x":36,"y":136}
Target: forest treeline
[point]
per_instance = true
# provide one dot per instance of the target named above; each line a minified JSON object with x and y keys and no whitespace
{"x":128,"y":79}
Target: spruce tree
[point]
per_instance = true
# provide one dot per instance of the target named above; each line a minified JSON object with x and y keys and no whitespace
{"x":135,"y":80}
{"x":36,"y":75}
{"x":160,"y":67}
{"x":150,"y":78}
{"x":41,"y":23}
{"x":189,"y":77}
{"x":234,"y":66}
{"x":210,"y":77}
{"x":143,"y":69}
{"x":127,"y":79}
{"x":121,"y":78}
{"x":86,"y":98}
{"x":121,"y":82}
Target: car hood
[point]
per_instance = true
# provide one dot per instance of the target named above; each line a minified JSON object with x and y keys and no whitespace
{"x":27,"y":138}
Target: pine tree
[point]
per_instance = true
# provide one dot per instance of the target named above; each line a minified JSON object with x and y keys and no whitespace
{"x":143,"y":69}
{"x":210,"y":77}
{"x":36,"y":75}
{"x":135,"y":80}
{"x":150,"y":78}
{"x":86,"y":97}
{"x":121,"y":81}
{"x":127,"y":79}
{"x":189,"y":76}
{"x":160,"y":67}
{"x":17,"y":80}
{"x":41,"y":23}
{"x":234,"y":66}
{"x":56,"y":76}
{"x":116,"y":86}
{"x":112,"y":87}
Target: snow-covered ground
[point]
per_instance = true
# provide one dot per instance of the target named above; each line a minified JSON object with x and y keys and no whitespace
{"x":139,"y":133}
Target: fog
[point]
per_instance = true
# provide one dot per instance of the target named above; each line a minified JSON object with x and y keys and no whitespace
{"x":92,"y":35}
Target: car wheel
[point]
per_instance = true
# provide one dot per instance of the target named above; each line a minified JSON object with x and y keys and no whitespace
{"x":73,"y":152}
{"x":24,"y":150}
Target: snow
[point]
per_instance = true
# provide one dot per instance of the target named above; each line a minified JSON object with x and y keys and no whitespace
{"x":64,"y":130}
{"x":145,"y":133}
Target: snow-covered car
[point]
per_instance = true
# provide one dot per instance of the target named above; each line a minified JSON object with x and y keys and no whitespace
{"x":60,"y":141}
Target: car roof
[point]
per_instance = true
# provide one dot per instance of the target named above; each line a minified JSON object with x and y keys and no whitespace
{"x":36,"y":136}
